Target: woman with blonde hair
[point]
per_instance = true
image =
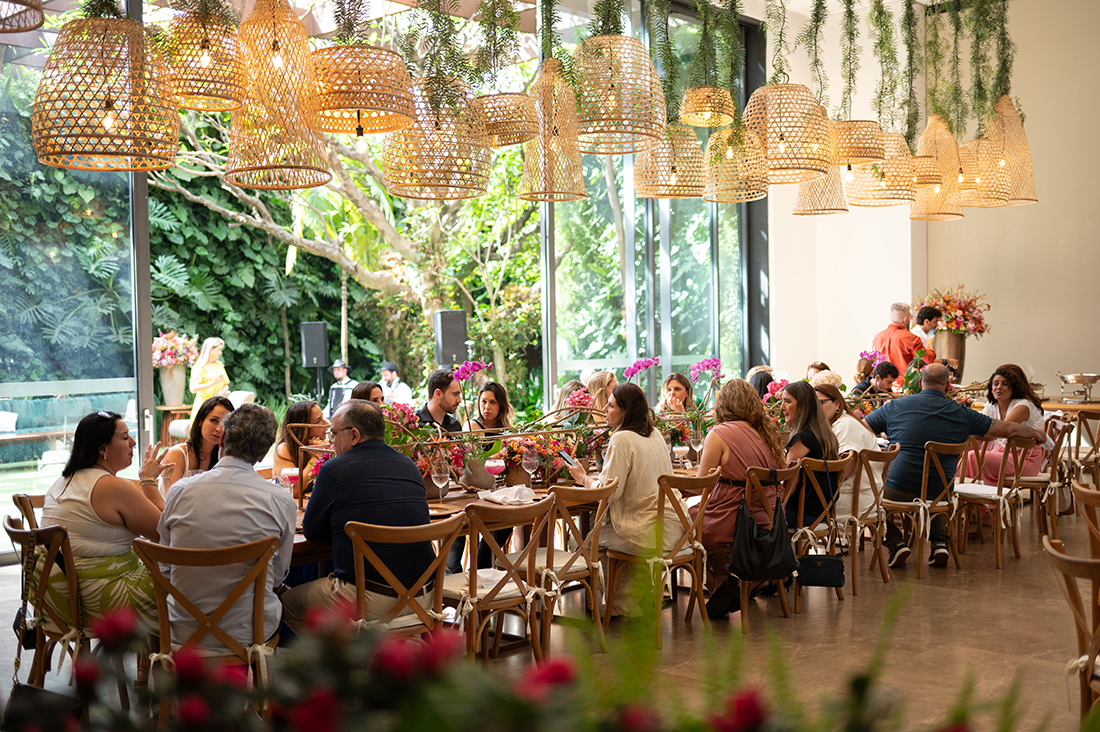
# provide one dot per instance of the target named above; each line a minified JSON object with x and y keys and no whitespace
{"x":599,"y":386}
{"x":676,"y":394}
{"x":208,"y":377}
{"x":744,"y":437}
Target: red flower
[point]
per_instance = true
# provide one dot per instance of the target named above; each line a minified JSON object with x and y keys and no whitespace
{"x":331,"y":619}
{"x":318,"y":712}
{"x":86,"y":673}
{"x":232,"y":674}
{"x":744,"y":712}
{"x":193,"y":711}
{"x":190,"y":667}
{"x":117,"y":628}
{"x":637,"y":718}
{"x":535,"y":686}
{"x":398,"y":658}
{"x":441,"y":648}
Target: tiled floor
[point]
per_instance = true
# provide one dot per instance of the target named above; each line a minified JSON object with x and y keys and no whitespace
{"x":993,"y":625}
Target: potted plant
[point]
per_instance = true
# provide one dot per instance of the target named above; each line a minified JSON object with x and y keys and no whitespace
{"x":172,"y":355}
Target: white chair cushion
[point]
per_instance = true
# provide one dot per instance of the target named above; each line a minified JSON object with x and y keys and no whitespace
{"x":977,"y":490}
{"x":401,"y":621}
{"x":561,"y":557}
{"x":456,"y":587}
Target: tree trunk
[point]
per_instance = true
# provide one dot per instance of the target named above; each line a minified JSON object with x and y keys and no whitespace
{"x":499,"y":362}
{"x":286,"y":354}
{"x":344,"y":314}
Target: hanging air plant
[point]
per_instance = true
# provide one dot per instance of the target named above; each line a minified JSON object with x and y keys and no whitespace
{"x":434,"y":27}
{"x":982,"y":24}
{"x":881,"y":25}
{"x":910,"y":37}
{"x":509,"y":117}
{"x":1006,"y":54}
{"x":706,"y":103}
{"x":849,"y":58}
{"x":813,"y":38}
{"x":956,"y":98}
{"x":858,"y":141}
{"x":775,"y":25}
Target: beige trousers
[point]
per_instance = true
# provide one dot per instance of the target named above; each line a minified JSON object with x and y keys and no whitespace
{"x":327,"y":592}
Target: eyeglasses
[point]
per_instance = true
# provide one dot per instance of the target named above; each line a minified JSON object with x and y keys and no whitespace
{"x":331,"y":433}
{"x":824,"y":401}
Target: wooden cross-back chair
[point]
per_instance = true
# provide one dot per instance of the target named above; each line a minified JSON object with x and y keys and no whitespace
{"x":755,"y":480}
{"x":1003,"y":498}
{"x":1088,"y":502}
{"x":823,"y":527}
{"x":513,"y":592}
{"x":256,"y":555}
{"x":1051,"y":478}
{"x":1086,"y":622}
{"x":687,"y":552}
{"x":1086,"y":446}
{"x":407,"y":616}
{"x":27,"y":505}
{"x":925,"y":510}
{"x":301,"y":487}
{"x":872,"y":467}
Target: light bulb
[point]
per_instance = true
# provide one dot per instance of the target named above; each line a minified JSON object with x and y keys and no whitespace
{"x":977,"y":180}
{"x":360,"y":140}
{"x":936,"y":189}
{"x":960,"y":175}
{"x":1001,"y":162}
{"x":673,"y":180}
{"x":782,"y":144}
{"x":276,"y":57}
{"x":729,"y":153}
{"x":204,"y":59}
{"x":814,"y":147}
{"x":849,"y":175}
{"x":109,"y":116}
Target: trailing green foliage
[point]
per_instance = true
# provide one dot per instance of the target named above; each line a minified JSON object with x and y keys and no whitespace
{"x":732,"y":53}
{"x":435,"y":29}
{"x":982,"y":24}
{"x":217,"y":11}
{"x":880,"y":22}
{"x":703,"y":68}
{"x":910,"y":37}
{"x":1006,"y":54}
{"x":813,"y":38}
{"x":101,"y":9}
{"x":935,"y":83}
{"x":657,"y":12}
{"x":499,"y":24}
{"x":775,"y":25}
{"x":348,"y":15}
{"x":607,"y":18}
{"x":849,"y":58}
{"x":956,"y":98}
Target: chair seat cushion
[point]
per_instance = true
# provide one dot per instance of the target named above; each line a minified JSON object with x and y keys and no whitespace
{"x":979,"y":490}
{"x":561,"y":558}
{"x":456,"y":587}
{"x":401,"y":621}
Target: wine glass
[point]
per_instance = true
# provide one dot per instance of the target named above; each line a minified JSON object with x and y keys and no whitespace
{"x":530,"y":463}
{"x":697,"y":443}
{"x":441,"y":475}
{"x":680,"y":451}
{"x":289,"y":479}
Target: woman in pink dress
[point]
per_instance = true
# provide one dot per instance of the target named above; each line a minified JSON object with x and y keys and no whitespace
{"x":743,"y":438}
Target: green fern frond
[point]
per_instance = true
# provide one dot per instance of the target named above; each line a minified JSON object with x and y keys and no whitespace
{"x":732,"y":61}
{"x":703,"y":68}
{"x":607,"y":18}
{"x":956,"y":97}
{"x":349,"y":15}
{"x":910,"y":108}
{"x":657,"y":12}
{"x":434,"y":27}
{"x":208,"y":11}
{"x":982,"y":23}
{"x":101,"y":9}
{"x":881,"y":25}
{"x":775,"y":26}
{"x":813,"y":38}
{"x":1006,"y":54}
{"x":499,"y":24}
{"x":849,"y":58}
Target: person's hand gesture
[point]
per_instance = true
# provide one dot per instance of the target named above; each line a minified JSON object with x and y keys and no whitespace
{"x":578,"y":473}
{"x":153,"y":465}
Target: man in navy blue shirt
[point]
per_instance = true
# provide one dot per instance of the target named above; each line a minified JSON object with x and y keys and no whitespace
{"x":930,"y":416}
{"x":367,"y":481}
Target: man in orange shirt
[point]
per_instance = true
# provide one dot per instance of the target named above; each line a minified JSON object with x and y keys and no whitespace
{"x":898,"y":344}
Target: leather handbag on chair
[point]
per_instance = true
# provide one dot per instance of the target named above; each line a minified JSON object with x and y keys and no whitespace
{"x":759,"y":554}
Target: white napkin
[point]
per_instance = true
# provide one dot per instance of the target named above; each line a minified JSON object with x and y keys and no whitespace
{"x":511,"y":495}
{"x":487,"y":579}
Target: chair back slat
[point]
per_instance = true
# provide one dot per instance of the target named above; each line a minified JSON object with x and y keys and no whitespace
{"x":484,"y":520}
{"x":810,"y":481}
{"x":27,"y":504}
{"x":1069,"y":570}
{"x":978,"y":447}
{"x":870,"y":462}
{"x":362,"y":535}
{"x":587,"y":547}
{"x":933,"y":458}
{"x":258,"y":552}
{"x":1087,"y":438}
{"x":1016,"y":451}
{"x":1089,"y":501}
{"x":756,"y":478}
{"x":667,"y":487}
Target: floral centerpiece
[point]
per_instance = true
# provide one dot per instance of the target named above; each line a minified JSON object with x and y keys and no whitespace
{"x":434,"y":447}
{"x":771,"y":403}
{"x":402,"y":424}
{"x":827,"y":377}
{"x":172,"y":354}
{"x":579,"y":399}
{"x":639,"y":366}
{"x":546,"y":447}
{"x":675,"y":428}
{"x":963,"y":312}
{"x":714,"y":367}
{"x":464,"y":373}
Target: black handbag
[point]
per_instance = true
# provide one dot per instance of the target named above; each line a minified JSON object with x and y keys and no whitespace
{"x":29,"y":706}
{"x":822,"y":570}
{"x":759,"y":554}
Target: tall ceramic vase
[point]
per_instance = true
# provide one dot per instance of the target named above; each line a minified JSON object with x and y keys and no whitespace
{"x":951,"y":345}
{"x":172,"y":381}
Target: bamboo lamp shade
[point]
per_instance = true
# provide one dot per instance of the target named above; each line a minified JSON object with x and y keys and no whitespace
{"x":361,"y":88}
{"x":794,"y":135}
{"x":926,"y":172}
{"x":859,"y":142}
{"x":552,"y":160}
{"x":105,"y":101}
{"x":208,"y":73}
{"x":620,"y":102}
{"x":736,"y":168}
{"x":1021,"y":177}
{"x":443,"y":155}
{"x":985,"y":180}
{"x":886,"y":183}
{"x":20,"y":16}
{"x":824,"y":195}
{"x":707,"y":106}
{"x":509,"y":119}
{"x":938,"y":202}
{"x":673,"y":168}
{"x":272,"y":144}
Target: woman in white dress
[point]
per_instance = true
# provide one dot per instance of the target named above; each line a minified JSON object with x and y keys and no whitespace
{"x":1010,"y":398}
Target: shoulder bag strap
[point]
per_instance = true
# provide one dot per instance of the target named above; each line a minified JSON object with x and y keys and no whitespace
{"x":29,"y":558}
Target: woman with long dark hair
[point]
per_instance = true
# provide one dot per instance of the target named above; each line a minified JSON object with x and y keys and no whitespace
{"x":292,"y":437}
{"x":369,"y":391}
{"x":1010,"y":398}
{"x":494,"y":413}
{"x":637,"y":455}
{"x":851,"y":434}
{"x":200,"y":452}
{"x":103,"y":514}
{"x":812,"y":437}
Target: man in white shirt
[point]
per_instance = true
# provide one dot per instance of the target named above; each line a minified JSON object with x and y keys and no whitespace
{"x":928,"y":319}
{"x":227,"y":505}
{"x":393,"y":388}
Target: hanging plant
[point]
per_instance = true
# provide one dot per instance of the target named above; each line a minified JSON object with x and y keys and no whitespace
{"x":733,"y":53}
{"x":1006,"y":54}
{"x":657,"y":12}
{"x":775,"y":26}
{"x":956,"y":98}
{"x":703,"y":69}
{"x":348,"y":15}
{"x":435,"y":28}
{"x":849,"y":58}
{"x":936,"y":86}
{"x":982,"y":23}
{"x":607,"y":18}
{"x":880,"y":22}
{"x":499,"y":23}
{"x":910,"y":109}
{"x":813,"y":38}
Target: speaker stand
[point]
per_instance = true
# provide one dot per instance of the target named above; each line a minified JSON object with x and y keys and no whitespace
{"x":319,"y":371}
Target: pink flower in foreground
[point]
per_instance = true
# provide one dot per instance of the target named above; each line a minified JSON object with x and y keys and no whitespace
{"x":190,"y":667}
{"x":744,"y":712}
{"x":193,"y":711}
{"x":441,"y":648}
{"x":536,"y":685}
{"x":86,"y":674}
{"x":319,"y":712}
{"x":398,"y":658}
{"x":637,"y":718}
{"x":116,"y":629}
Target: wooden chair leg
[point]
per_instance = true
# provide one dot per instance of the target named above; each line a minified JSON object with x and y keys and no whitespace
{"x":998,"y":538}
{"x":535,"y":630}
{"x":951,"y":544}
{"x":853,"y":553}
{"x":783,"y":598}
{"x":657,"y":577}
{"x":745,"y":590}
{"x":594,"y":607}
{"x":700,"y":603}
{"x":609,"y":591}
{"x":797,"y":595}
{"x":1015,"y":529}
{"x":921,"y":559}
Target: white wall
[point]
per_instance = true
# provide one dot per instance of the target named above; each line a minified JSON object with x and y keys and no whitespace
{"x":1040,"y":264}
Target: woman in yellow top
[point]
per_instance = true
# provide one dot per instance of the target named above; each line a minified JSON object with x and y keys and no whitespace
{"x":208,"y":377}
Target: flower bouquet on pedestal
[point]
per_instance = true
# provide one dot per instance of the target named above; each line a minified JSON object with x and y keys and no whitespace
{"x":771,"y":403}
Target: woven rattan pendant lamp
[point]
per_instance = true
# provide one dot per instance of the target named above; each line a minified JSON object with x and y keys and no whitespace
{"x":104,"y":101}
{"x":208,"y":73}
{"x":985,"y":178}
{"x":509,"y":119}
{"x":926,"y":172}
{"x":887,"y":183}
{"x":1017,"y":154}
{"x":20,"y":16}
{"x":705,"y":103}
{"x":824,"y":195}
{"x":272,"y":144}
{"x":736,"y":167}
{"x":793,"y":134}
{"x":552,"y":161}
{"x":938,"y":202}
{"x":443,"y":155}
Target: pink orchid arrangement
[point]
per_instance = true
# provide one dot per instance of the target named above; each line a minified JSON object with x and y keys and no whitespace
{"x":319,"y":461}
{"x":873,"y":356}
{"x":713,"y":365}
{"x":775,"y":387}
{"x":468,"y":368}
{"x":172,"y":349}
{"x":639,"y":366}
{"x":580,"y":399}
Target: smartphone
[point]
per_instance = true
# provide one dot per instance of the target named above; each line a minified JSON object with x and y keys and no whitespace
{"x":567,"y":458}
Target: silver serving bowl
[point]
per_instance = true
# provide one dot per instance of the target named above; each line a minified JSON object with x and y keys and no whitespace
{"x":1078,"y":378}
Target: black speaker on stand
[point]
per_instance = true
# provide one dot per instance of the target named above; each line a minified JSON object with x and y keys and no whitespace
{"x":450,"y":337}
{"x":315,"y":350}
